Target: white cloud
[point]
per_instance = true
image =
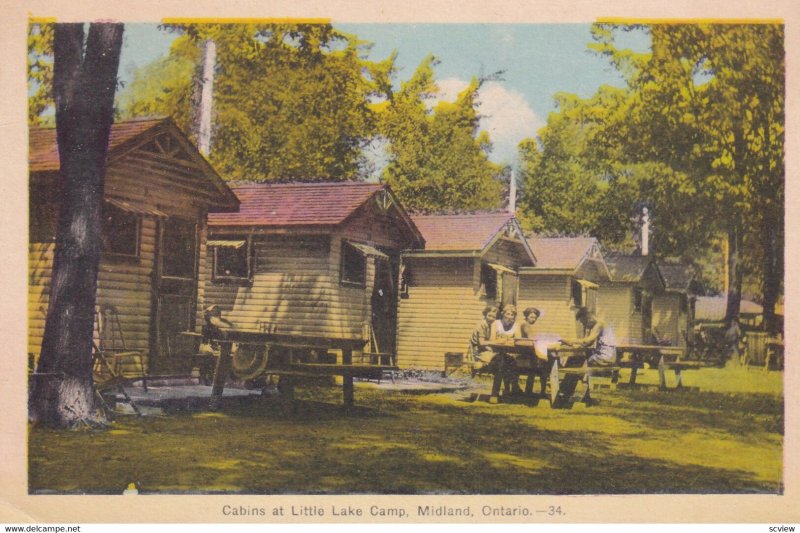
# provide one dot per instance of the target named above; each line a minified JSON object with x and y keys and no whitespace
{"x":506,"y":116}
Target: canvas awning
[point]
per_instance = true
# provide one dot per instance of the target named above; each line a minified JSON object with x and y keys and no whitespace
{"x":227,"y":244}
{"x":500,"y":269}
{"x":367,"y":250}
{"x":136,"y":209}
{"x":587,"y":284}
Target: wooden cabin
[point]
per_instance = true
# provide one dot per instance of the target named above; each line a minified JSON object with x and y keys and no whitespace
{"x":567,"y":275}
{"x":673,"y":310}
{"x":469,"y":261}
{"x":626,"y":301}
{"x":158,"y":192}
{"x":317,"y":259}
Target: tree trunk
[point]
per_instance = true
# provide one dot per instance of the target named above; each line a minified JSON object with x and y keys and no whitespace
{"x":84,"y":80}
{"x":772,"y":242}
{"x":735,"y":274}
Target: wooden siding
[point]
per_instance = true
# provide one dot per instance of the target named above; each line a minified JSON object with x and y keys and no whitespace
{"x":553,"y":296}
{"x":507,"y":253}
{"x":124,"y":283}
{"x":146,"y":181}
{"x":443,"y":306}
{"x":671,"y":322}
{"x":296,"y":287}
{"x":615,"y":309}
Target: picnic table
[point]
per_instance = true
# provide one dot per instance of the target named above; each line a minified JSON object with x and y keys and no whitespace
{"x":562,"y":360}
{"x":635,"y":356}
{"x":286,"y":356}
{"x":568,"y":366}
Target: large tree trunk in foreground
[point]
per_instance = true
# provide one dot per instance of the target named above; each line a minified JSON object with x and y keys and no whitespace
{"x":84,"y":80}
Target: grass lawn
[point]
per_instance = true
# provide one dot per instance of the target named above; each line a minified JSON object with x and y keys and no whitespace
{"x":725,"y":438}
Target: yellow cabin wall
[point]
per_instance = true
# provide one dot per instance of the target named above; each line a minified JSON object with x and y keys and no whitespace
{"x":671,"y":322}
{"x":553,"y":296}
{"x":443,"y":306}
{"x":123,"y":282}
{"x":615,"y":309}
{"x":296,"y":287}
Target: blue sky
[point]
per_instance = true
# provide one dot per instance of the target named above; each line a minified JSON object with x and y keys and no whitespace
{"x":538,"y":61}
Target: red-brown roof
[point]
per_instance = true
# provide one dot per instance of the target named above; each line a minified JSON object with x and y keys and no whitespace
{"x":296,"y":204}
{"x":560,"y":253}
{"x":468,"y":232}
{"x":43,"y":148}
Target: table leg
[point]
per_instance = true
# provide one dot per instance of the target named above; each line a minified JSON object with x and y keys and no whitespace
{"x":347,"y":379}
{"x":554,"y":382}
{"x":678,"y":377}
{"x":498,"y":378}
{"x":662,"y":374}
{"x":221,"y":373}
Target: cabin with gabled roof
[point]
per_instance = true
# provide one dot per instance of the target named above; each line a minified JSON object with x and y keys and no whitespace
{"x":625,"y":303}
{"x":566,"y":276}
{"x":673,"y":309}
{"x":469,"y":261}
{"x":157,"y":194}
{"x":314,"y":259}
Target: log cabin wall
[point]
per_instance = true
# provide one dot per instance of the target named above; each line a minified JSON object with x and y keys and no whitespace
{"x":553,"y":296}
{"x":441,"y":310}
{"x":296,"y":286}
{"x":670,"y":318}
{"x":147,"y":182}
{"x":615,"y":309}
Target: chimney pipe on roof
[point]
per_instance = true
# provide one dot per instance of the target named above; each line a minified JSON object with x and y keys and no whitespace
{"x":645,"y":231}
{"x":206,"y":98}
{"x":512,"y":193}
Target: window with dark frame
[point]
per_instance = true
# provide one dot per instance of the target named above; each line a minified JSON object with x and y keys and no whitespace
{"x":354,"y":265}
{"x":638,"y":297}
{"x":232,"y":257}
{"x":489,"y":281}
{"x":120,"y":231}
{"x":577,"y":294}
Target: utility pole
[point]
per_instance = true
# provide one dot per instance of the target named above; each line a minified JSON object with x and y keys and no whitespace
{"x":206,"y":97}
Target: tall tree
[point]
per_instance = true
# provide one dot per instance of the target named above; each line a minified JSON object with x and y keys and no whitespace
{"x":291,"y":101}
{"x":438,"y":158}
{"x":84,"y":81}
{"x":711,"y":105}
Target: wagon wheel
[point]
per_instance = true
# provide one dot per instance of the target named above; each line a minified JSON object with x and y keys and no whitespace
{"x":250,"y":361}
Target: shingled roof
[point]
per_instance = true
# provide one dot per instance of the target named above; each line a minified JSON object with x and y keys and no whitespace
{"x":677,"y":277}
{"x":561,"y":253}
{"x":471,"y":232}
{"x":43,"y":156}
{"x":627,"y":268}
{"x":713,"y":308}
{"x":320,"y":204}
{"x":43,"y":147}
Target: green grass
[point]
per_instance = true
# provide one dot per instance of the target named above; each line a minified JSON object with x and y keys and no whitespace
{"x":725,"y":438}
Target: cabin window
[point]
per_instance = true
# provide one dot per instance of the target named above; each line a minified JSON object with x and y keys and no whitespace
{"x":354,"y":265}
{"x":120,"y":231}
{"x":406,"y":279}
{"x":577,"y":294}
{"x":638,"y":297}
{"x":179,"y":248}
{"x":232,"y":257}
{"x":489,"y":281}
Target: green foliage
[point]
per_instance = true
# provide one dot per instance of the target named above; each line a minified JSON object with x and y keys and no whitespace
{"x":291,"y":102}
{"x":697,"y":135}
{"x":438,"y":157}
{"x":40,"y":74}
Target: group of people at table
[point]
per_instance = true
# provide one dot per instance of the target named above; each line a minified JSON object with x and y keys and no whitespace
{"x":493,"y":331}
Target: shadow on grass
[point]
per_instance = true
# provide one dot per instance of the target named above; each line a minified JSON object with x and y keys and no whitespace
{"x":393,"y":443}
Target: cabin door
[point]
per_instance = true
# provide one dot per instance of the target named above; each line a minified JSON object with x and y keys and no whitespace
{"x":176,"y":289}
{"x":384,"y":304}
